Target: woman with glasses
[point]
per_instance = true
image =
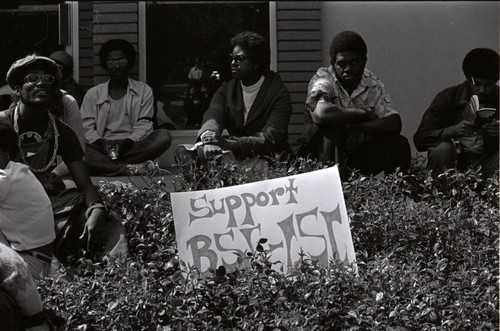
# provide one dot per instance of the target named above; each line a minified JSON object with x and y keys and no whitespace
{"x":80,"y":215}
{"x":254,"y":107}
{"x":117,"y":118}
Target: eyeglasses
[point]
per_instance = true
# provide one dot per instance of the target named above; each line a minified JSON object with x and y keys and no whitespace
{"x":238,"y":58}
{"x":36,"y":78}
{"x":120,"y":62}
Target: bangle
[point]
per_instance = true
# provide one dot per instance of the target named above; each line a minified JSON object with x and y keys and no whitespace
{"x":203,"y":134}
{"x":94,"y":205}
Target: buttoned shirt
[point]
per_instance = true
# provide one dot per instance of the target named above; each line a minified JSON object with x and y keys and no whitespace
{"x":370,"y":95}
{"x":138,"y":105}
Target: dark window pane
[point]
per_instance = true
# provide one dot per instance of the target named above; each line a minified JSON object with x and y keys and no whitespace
{"x":180,"y":36}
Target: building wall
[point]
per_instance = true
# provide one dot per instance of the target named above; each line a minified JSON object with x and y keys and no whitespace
{"x":416,"y":48}
{"x":299,"y":53}
{"x":101,"y":21}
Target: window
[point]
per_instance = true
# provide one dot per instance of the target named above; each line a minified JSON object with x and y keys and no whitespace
{"x":194,"y":37}
{"x":27,"y":28}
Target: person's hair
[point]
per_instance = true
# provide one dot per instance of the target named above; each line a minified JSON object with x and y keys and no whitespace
{"x":481,"y":63}
{"x":114,"y":45}
{"x":255,"y":46}
{"x":8,"y":139}
{"x":347,"y":41}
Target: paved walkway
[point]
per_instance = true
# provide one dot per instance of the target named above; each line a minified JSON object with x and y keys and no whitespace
{"x":138,"y":181}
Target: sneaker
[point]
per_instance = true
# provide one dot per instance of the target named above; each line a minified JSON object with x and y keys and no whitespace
{"x":148,"y":168}
{"x":141,"y":169}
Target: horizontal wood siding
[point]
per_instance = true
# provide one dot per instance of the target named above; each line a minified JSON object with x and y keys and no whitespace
{"x":299,"y":48}
{"x":86,"y":47}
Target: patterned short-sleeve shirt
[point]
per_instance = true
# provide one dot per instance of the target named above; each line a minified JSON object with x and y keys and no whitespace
{"x":370,"y":95}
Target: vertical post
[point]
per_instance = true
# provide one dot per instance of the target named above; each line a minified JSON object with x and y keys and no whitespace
{"x":74,"y":50}
{"x":63,"y":18}
{"x":273,"y":43}
{"x":141,"y":43}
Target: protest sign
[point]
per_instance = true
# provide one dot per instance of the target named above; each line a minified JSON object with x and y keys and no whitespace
{"x":302,"y":212}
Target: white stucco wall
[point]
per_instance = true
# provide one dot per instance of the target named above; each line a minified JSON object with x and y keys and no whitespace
{"x":416,"y":48}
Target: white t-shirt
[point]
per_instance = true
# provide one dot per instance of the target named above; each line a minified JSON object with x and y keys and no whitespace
{"x":26,"y":217}
{"x":249,"y":94}
{"x":118,"y":125}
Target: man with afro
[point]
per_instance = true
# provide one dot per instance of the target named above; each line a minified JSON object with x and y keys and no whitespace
{"x":450,"y":132}
{"x":350,"y":117}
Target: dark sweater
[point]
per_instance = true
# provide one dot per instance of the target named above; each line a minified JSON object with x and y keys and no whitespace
{"x":445,"y":111}
{"x":266,"y":128}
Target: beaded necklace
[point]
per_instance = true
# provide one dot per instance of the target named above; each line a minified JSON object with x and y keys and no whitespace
{"x":56,"y":141}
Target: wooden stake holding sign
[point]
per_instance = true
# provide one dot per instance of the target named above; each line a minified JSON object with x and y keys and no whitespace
{"x":303,"y":212}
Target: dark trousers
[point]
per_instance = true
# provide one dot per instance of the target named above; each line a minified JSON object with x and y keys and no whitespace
{"x":381,"y":154}
{"x":148,"y":148}
{"x":444,"y":156}
{"x":10,"y":315}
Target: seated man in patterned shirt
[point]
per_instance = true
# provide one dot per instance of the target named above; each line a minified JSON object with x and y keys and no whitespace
{"x":349,"y":116}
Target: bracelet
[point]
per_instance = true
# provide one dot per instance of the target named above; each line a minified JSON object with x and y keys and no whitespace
{"x":206,"y":131}
{"x":94,"y":205}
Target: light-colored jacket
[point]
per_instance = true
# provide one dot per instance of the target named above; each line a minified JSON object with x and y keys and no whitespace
{"x":138,"y":103}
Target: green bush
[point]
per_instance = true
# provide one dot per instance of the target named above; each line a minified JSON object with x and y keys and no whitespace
{"x":426,"y":249}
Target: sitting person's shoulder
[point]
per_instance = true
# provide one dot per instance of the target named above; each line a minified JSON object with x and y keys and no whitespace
{"x":370,"y":78}
{"x":97,"y":90}
{"x":138,"y":85}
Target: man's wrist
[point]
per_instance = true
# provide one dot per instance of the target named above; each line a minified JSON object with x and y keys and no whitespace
{"x":449,"y":133}
{"x":95,"y":205}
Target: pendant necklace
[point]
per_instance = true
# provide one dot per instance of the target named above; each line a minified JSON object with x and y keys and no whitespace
{"x":56,"y":141}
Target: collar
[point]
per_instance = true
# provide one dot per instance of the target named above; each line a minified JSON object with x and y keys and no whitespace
{"x":133,"y":86}
{"x":367,"y":81}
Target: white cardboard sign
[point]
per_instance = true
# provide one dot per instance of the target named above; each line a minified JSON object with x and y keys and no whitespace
{"x":302,"y":212}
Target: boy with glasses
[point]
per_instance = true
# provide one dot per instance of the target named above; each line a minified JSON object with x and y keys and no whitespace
{"x":117,"y":118}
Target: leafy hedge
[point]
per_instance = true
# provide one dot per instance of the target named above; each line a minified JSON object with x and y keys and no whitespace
{"x":426,"y":248}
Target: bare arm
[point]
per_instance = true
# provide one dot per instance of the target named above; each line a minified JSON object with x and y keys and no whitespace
{"x":94,"y":227}
{"x":326,"y":113}
{"x":389,"y":125}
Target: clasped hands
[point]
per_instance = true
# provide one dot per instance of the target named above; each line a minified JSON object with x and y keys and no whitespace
{"x":214,"y":144}
{"x":467,"y":128}
{"x":119,"y":147}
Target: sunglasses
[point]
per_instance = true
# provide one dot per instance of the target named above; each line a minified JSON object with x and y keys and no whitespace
{"x":36,"y":78}
{"x":238,"y":58}
{"x":119,"y":62}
